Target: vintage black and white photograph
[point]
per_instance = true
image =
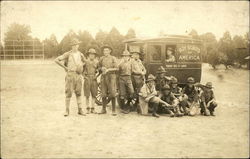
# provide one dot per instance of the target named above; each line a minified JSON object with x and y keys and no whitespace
{"x":124,"y":79}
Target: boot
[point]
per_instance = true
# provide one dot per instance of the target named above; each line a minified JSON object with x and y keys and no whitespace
{"x":88,"y":110}
{"x":93,"y":111}
{"x":80,"y":112}
{"x":103,"y":106}
{"x":178,"y":113}
{"x":171,"y":114}
{"x":212,"y":113}
{"x":66,"y":112}
{"x":113,"y":106}
{"x":155,"y":110}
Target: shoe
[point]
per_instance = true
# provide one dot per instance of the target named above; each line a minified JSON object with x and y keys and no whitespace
{"x":93,"y":111}
{"x":66,"y":113}
{"x":125,"y":111}
{"x":114,"y":113}
{"x":88,"y":110}
{"x":156,"y":115}
{"x":103,"y":111}
{"x":212,"y":113}
{"x":80,"y":112}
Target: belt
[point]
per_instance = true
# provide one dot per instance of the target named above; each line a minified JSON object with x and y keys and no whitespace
{"x":90,"y":75}
{"x":125,"y":75}
{"x":136,"y":74}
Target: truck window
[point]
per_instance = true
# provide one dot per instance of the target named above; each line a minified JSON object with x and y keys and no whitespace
{"x":170,"y":54}
{"x":154,"y":52}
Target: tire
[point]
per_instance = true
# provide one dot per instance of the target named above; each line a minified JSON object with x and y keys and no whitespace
{"x":98,"y":100}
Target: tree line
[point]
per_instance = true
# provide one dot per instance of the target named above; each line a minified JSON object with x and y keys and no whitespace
{"x":227,"y":50}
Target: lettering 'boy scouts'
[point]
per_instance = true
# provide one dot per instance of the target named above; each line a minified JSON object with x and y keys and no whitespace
{"x":73,"y":80}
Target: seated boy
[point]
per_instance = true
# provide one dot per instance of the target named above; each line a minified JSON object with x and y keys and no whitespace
{"x":168,"y":97}
{"x":208,"y":102}
{"x":149,"y":96}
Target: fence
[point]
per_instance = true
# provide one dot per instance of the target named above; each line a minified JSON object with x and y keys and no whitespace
{"x":22,"y":49}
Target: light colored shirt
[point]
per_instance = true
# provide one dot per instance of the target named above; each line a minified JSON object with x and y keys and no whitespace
{"x":125,"y":67}
{"x":170,"y":59}
{"x":137,"y":67}
{"x":108,"y":62}
{"x":147,"y":93}
{"x":74,"y":59}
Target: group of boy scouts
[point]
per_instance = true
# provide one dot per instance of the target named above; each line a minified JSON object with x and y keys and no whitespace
{"x":158,"y":95}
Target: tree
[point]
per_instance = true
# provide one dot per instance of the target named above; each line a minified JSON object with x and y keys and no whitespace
{"x":115,"y":40}
{"x":64,"y":45}
{"x":130,"y":34}
{"x":194,"y":34}
{"x":225,"y":46}
{"x":210,"y":42}
{"x":18,"y":32}
{"x":86,"y":39}
{"x":51,"y":47}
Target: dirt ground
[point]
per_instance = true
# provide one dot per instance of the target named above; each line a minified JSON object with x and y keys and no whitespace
{"x":33,"y":125}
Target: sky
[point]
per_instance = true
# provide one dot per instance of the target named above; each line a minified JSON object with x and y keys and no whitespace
{"x":147,"y":18}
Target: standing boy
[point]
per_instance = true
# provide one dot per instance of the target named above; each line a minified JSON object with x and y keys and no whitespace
{"x":125,"y":83}
{"x":73,"y":79}
{"x":90,"y":82}
{"x":108,"y":67}
{"x":138,"y":75}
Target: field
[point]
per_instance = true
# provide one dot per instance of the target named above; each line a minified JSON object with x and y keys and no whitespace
{"x":33,"y":125}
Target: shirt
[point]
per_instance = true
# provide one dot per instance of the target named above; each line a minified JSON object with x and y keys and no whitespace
{"x":108,"y":62}
{"x":137,"y":67}
{"x":176,"y":91}
{"x":90,"y":67}
{"x":147,"y":92}
{"x":170,"y":98}
{"x":125,"y":67}
{"x":207,"y":95}
{"x":74,"y":59}
{"x":170,"y":59}
{"x":191,"y":93}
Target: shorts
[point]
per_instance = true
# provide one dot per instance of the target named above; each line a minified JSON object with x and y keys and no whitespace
{"x":90,"y":86}
{"x":108,"y":85}
{"x":126,"y":88}
{"x":73,"y":83}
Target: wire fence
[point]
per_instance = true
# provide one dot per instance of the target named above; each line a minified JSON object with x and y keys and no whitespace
{"x":22,"y":49}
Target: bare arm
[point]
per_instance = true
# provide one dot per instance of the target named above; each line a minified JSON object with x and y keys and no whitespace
{"x":58,"y":61}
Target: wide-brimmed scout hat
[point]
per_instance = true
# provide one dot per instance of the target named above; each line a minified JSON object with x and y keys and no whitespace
{"x":190,"y":80}
{"x":106,"y":46}
{"x":165,"y":87}
{"x":75,"y":41}
{"x":125,"y":53}
{"x":161,"y":70}
{"x":174,"y":80}
{"x":91,"y":51}
{"x":150,"y":78}
{"x":135,"y":52}
{"x":209,"y":85}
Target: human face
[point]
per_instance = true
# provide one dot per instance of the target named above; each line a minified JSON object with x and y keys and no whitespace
{"x":162,"y":75}
{"x":91,"y":56}
{"x":169,"y":52}
{"x":106,"y":51}
{"x":126,"y":58}
{"x":151,"y":83}
{"x":166,"y":92}
{"x":190,"y":85}
{"x":136,"y":56}
{"x":174,"y":85}
{"x":75,"y":47}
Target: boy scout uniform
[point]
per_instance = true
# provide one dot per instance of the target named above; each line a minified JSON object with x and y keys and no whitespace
{"x":160,"y":81}
{"x":126,"y":89}
{"x":108,"y":80}
{"x":191,"y":94}
{"x":207,"y":96}
{"x":172,"y":100}
{"x":90,"y":81}
{"x":138,"y":73}
{"x":73,"y":79}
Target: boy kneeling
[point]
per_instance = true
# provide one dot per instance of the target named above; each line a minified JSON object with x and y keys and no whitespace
{"x":148,"y":96}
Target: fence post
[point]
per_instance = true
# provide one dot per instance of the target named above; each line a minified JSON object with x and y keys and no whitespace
{"x":43,"y":50}
{"x":33,"y":49}
{"x":23,"y":50}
